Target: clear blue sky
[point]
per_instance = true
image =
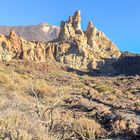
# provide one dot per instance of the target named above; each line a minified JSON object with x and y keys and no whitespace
{"x":119,"y":19}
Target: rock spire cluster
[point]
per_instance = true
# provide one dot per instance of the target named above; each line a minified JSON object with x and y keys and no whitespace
{"x":90,"y":49}
{"x":78,"y":49}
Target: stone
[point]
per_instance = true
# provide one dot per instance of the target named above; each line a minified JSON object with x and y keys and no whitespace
{"x":66,"y":31}
{"x":89,"y":27}
{"x":70,"y":19}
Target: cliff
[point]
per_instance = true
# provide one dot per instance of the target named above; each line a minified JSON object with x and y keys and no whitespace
{"x":90,"y":49}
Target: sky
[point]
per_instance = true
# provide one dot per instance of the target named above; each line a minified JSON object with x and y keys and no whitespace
{"x":118,"y":19}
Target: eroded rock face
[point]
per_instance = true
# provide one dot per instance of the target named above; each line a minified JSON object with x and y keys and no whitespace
{"x":70,"y":28}
{"x":76,"y":20}
{"x":15,"y":47}
{"x":100,"y":43}
{"x":85,"y":50}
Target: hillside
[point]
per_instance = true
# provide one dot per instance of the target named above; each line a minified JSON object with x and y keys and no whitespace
{"x":43,"y":101}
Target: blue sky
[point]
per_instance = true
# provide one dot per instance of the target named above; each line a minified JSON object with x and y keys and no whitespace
{"x":119,"y":19}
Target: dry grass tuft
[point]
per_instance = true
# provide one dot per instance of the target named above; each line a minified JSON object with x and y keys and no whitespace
{"x":15,"y":125}
{"x":101,"y":87}
{"x":86,"y":127}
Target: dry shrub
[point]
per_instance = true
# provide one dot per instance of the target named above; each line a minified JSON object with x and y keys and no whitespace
{"x":4,"y":79}
{"x":88,"y":128}
{"x":26,"y":76}
{"x":137,"y":103}
{"x":117,"y":92}
{"x":16,"y":126}
{"x":43,"y":90}
{"x":12,"y":81}
{"x":101,"y":87}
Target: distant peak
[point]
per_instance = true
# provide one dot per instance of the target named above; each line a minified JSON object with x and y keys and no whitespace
{"x":44,"y":24}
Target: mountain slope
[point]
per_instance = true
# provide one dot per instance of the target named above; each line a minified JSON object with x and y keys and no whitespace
{"x":40,"y":33}
{"x":128,"y":64}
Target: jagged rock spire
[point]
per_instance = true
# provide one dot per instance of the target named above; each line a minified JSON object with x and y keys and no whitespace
{"x":12,"y":34}
{"x":70,"y":19}
{"x":13,"y":37}
{"x":77,"y":20}
{"x":90,"y":26}
{"x":71,"y":27}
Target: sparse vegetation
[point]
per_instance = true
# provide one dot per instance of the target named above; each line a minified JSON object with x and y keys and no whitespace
{"x":137,"y":103}
{"x":103,"y":87}
{"x":51,"y":106}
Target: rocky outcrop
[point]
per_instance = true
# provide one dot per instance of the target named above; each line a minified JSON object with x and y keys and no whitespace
{"x":78,"y":49}
{"x":128,"y":64}
{"x":100,"y":43}
{"x":76,"y":20}
{"x":71,"y":28}
{"x":89,"y":49}
{"x":15,"y":47}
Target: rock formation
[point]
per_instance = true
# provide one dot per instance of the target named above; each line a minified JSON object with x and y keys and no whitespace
{"x":76,"y":20}
{"x":99,"y":42}
{"x":15,"y":47}
{"x":84,"y":50}
{"x":70,"y":28}
{"x":78,"y":49}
